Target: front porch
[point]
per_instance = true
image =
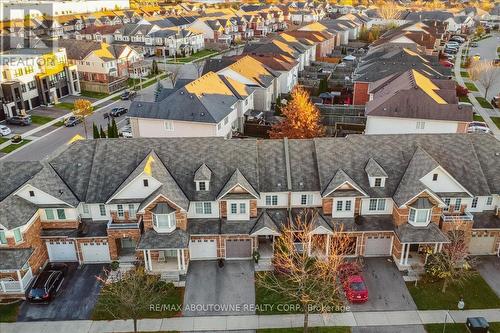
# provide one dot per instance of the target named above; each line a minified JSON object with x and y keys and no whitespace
{"x":15,"y":272}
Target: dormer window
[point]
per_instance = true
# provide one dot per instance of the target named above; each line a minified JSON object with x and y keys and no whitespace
{"x":378,"y":182}
{"x":202,"y":186}
{"x":31,"y":193}
{"x":435,"y":177}
{"x":163,"y":218}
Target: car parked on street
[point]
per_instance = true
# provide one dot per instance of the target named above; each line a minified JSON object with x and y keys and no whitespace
{"x":73,"y":121}
{"x":495,"y":101}
{"x":128,"y":95}
{"x":47,"y":284}
{"x":473,"y":44}
{"x":355,"y":289}
{"x":19,"y":120}
{"x":4,"y":130}
{"x":117,"y":112}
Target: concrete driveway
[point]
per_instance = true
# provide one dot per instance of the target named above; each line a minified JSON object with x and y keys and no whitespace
{"x":211,"y":290}
{"x":386,"y":287}
{"x":75,"y":300}
{"x":489,"y":268}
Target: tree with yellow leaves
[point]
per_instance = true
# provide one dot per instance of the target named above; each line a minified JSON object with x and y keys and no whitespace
{"x":83,"y":108}
{"x":302,"y":118}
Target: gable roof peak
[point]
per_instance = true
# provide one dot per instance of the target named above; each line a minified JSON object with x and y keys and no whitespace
{"x":203,"y":173}
{"x":373,"y":169}
{"x":237,"y":179}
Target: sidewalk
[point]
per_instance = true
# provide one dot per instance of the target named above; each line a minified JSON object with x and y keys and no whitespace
{"x":478,"y":108}
{"x":252,"y":322}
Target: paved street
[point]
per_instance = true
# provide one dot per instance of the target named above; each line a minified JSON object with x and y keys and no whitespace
{"x":59,"y":137}
{"x":487,"y":49}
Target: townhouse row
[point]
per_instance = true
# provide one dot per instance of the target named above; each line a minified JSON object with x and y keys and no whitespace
{"x":165,"y":202}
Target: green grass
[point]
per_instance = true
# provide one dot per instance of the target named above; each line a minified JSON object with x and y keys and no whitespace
{"x":339,"y":329}
{"x":270,"y":302}
{"x":8,"y":313}
{"x":40,"y":120}
{"x":496,"y":120}
{"x":92,"y":94}
{"x":464,"y":99}
{"x":477,"y":117}
{"x":464,"y":74}
{"x":484,"y":103}
{"x":457,"y":328}
{"x":172,"y":298}
{"x":471,"y":86}
{"x":195,"y":56}
{"x":131,"y":82}
{"x":3,"y":140}
{"x":10,"y":148}
{"x":476,"y":292}
{"x":64,"y":106}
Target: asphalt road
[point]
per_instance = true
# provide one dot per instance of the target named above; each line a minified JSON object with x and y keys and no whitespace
{"x":487,"y":49}
{"x":56,"y":140}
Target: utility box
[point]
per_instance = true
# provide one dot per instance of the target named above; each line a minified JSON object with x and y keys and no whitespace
{"x":477,"y":325}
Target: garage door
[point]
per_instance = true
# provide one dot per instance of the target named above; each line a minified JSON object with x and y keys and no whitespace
{"x":95,"y":252}
{"x":203,"y":249}
{"x":61,"y":251}
{"x":378,"y":247}
{"x":238,"y":248}
{"x":481,"y":245}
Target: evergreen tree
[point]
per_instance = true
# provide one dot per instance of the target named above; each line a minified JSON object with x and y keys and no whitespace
{"x":158,"y":89}
{"x":109,"y":131}
{"x":114,"y":128}
{"x":154,"y":67}
{"x":96,"y":131}
{"x":102,"y":133}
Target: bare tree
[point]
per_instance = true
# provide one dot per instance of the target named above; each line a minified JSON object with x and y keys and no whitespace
{"x":198,"y":65}
{"x":133,"y":294}
{"x":307,"y":266}
{"x":388,"y":10}
{"x":452,"y":264}
{"x":484,"y":72}
{"x":174,"y":73}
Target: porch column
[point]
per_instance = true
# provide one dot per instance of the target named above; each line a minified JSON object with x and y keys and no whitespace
{"x":149,"y":260}
{"x":402,"y":254}
{"x":440,"y":247}
{"x":407,"y":254}
{"x":327,"y":245}
{"x":183,"y":260}
{"x":436,"y":247}
{"x":309,"y":246}
{"x":20,"y":279}
{"x":146,"y":264}
{"x":178,"y":259}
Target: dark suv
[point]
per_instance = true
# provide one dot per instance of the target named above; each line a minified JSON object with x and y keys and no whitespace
{"x":19,"y":120}
{"x":116,"y":112}
{"x":47,"y":284}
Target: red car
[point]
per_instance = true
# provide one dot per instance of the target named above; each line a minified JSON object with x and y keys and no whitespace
{"x":355,"y":289}
{"x":446,"y":63}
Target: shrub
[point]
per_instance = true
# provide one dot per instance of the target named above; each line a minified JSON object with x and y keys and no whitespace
{"x":462,"y":91}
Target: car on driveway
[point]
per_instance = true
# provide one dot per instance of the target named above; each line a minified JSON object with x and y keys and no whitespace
{"x":473,"y":44}
{"x":73,"y":121}
{"x":355,"y":289}
{"x":495,"y":101}
{"x":127,"y":95}
{"x":127,"y":131}
{"x":19,"y":120}
{"x":4,"y":130}
{"x":116,"y":112}
{"x":47,"y":284}
{"x":478,"y":127}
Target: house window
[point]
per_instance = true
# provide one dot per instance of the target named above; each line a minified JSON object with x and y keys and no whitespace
{"x":219,"y":126}
{"x":3,"y":238}
{"x":164,"y":222}
{"x":243,"y":208}
{"x":18,"y":236}
{"x":381,"y":204}
{"x":306,"y":199}
{"x":376,"y":205}
{"x":373,"y":204}
{"x":145,"y":182}
{"x":435,"y":177}
{"x":102,"y":210}
{"x":489,"y":201}
{"x":474,"y":202}
{"x":120,"y":211}
{"x":348,"y":204}
{"x":447,"y":202}
{"x":49,"y":214}
{"x":131,"y":210}
{"x":419,"y":216}
{"x":271,"y":200}
{"x":169,"y":125}
{"x":203,"y":207}
{"x":458,"y":203}
{"x":234,"y":208}
{"x":61,"y":214}
{"x":85,"y":208}
{"x":202,"y":186}
{"x":340,"y":205}
{"x":32,"y":193}
{"x":378,"y":182}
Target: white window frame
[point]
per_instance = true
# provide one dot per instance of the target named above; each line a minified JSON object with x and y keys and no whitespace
{"x":306,"y":199}
{"x":169,"y":125}
{"x":170,"y":222}
{"x":474,"y":202}
{"x":339,"y":207}
{"x":272,"y":200}
{"x":198,"y":186}
{"x":203,"y":208}
{"x":242,"y":210}
{"x":132,"y":211}
{"x":120,"y":211}
{"x":417,"y":214}
{"x":102,"y":210}
{"x":17,"y":239}
{"x":3,"y":235}
{"x":489,"y":201}
{"x":377,"y":182}
{"x":458,"y":204}
{"x":85,"y":209}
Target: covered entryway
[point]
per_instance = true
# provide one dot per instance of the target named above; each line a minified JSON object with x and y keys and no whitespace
{"x":61,"y":250}
{"x":238,"y":248}
{"x":95,"y":252}
{"x":200,"y":249}
{"x":378,"y":246}
{"x":481,"y":244}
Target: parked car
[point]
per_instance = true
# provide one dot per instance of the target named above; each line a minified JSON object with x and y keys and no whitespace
{"x":47,"y":284}
{"x":457,"y":39}
{"x":453,"y":45}
{"x":126,"y":131}
{"x":355,"y":289}
{"x":478,"y":127}
{"x":116,"y":112}
{"x":4,"y":130}
{"x":446,"y":63}
{"x":19,"y":120}
{"x":73,"y":121}
{"x":473,"y":44}
{"x":128,"y":95}
{"x":450,"y":51}
{"x":495,"y":101}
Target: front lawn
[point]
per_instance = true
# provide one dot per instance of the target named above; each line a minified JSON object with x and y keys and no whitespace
{"x":270,"y":302}
{"x":496,"y":120}
{"x":93,"y":94}
{"x":464,"y":74}
{"x":471,"y":86}
{"x":8,"y":312}
{"x":40,"y":120}
{"x":167,"y":307}
{"x":64,"y":106}
{"x":484,"y":103}
{"x":464,"y":99}
{"x":457,"y":328}
{"x":339,"y":329}
{"x":476,"y":292}
{"x":3,"y":140}
{"x":477,"y":117}
{"x":195,"y":56}
{"x":10,"y":148}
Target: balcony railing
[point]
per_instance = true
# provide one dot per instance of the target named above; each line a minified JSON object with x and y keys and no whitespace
{"x":465,"y":216}
{"x":125,"y":224}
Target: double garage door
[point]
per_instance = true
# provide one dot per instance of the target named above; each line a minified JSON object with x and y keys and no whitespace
{"x":204,"y":249}
{"x":378,"y":246}
{"x":482,"y":245}
{"x":65,"y":251}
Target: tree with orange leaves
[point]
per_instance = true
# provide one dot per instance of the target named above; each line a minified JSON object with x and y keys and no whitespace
{"x":302,"y":118}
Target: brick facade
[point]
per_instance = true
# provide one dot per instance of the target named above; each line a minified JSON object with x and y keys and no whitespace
{"x":180,"y":215}
{"x":60,"y":224}
{"x":114,"y":237}
{"x":327,"y":204}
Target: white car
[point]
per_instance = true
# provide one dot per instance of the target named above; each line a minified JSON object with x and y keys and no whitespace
{"x":127,"y":132}
{"x":478,"y":127}
{"x":4,"y":130}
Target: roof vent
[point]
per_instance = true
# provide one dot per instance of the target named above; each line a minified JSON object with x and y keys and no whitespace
{"x":301,"y":184}
{"x":497,"y":154}
{"x":182,"y":92}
